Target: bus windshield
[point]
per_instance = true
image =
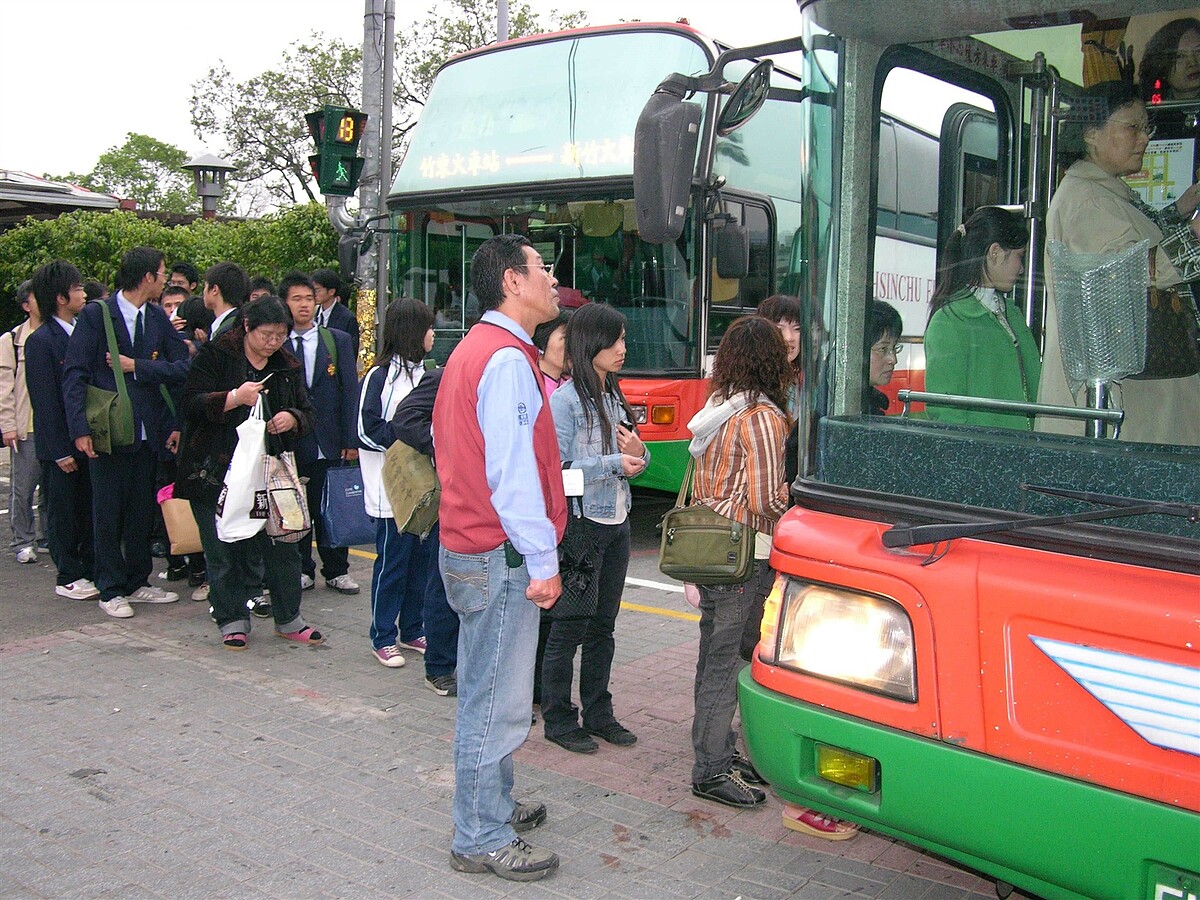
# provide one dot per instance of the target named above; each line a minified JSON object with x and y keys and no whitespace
{"x":916,"y":339}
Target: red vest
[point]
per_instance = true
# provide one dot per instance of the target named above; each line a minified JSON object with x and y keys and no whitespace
{"x":468,"y":521}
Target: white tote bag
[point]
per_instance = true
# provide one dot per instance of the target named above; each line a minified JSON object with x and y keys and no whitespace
{"x":242,"y":507}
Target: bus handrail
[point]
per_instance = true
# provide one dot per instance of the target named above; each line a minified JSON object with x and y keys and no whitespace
{"x":959,"y":401}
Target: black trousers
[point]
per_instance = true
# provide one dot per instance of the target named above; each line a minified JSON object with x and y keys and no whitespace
{"x":335,"y":561}
{"x":595,"y":635}
{"x":122,"y":518}
{"x":69,"y":520}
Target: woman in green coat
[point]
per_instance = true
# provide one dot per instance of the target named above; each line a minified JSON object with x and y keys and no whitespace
{"x":977,"y":343}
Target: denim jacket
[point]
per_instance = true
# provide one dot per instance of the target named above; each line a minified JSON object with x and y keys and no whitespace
{"x":581,"y":447}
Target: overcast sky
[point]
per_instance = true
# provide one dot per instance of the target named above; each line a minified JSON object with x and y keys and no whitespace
{"x":77,"y":75}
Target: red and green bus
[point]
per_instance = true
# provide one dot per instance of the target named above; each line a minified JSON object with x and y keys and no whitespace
{"x":535,"y":136}
{"x":982,"y":641}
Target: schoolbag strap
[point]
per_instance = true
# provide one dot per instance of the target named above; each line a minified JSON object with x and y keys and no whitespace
{"x":113,"y":352}
{"x":330,"y":344}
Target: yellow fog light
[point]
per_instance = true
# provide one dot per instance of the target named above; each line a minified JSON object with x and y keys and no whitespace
{"x":847,"y":768}
{"x":662,"y":415}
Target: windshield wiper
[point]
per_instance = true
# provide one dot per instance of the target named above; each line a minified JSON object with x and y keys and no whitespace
{"x":1113,"y":507}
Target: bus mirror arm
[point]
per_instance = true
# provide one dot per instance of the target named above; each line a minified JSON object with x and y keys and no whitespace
{"x":1114,"y":508}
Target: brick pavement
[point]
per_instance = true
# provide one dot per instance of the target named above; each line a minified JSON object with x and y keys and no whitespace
{"x":140,"y":759}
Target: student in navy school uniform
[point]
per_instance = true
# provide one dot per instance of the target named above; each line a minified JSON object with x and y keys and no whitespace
{"x":332,"y":312}
{"x":332,"y":381}
{"x":58,"y":289}
{"x":151,"y":353}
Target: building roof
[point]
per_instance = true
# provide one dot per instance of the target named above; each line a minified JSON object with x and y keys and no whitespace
{"x":23,"y":194}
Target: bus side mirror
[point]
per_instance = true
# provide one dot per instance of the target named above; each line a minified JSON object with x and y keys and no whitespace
{"x":747,"y":99}
{"x":664,"y":158}
{"x":732,"y":250}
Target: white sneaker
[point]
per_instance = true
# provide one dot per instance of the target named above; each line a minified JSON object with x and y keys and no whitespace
{"x":306,"y":582}
{"x":27,"y":555}
{"x":200,"y":594}
{"x":80,"y":589}
{"x":117,"y":607}
{"x":147,"y":594}
{"x":343,"y":584}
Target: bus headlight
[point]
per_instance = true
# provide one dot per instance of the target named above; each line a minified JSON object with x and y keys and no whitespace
{"x":859,"y":639}
{"x":639,"y":413}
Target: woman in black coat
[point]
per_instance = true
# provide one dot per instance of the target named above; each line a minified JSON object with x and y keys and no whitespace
{"x":224,"y":383}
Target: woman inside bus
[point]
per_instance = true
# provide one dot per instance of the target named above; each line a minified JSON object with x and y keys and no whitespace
{"x":223,"y":385}
{"x":1171,"y":64}
{"x":737,"y":444}
{"x":1094,"y":211}
{"x":596,"y":437}
{"x":977,"y":343}
{"x":884,"y":327}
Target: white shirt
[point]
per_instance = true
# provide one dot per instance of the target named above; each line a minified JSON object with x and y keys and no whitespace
{"x":68,"y":327}
{"x":217,"y":321}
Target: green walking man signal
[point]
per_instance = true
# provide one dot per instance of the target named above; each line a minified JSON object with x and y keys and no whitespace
{"x":336,"y":130}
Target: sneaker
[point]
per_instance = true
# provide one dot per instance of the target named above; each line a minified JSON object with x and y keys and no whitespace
{"x":817,"y":824}
{"x":147,"y":594}
{"x":260,"y":606}
{"x":576,"y":741}
{"x":43,"y":546}
{"x":79,"y":589}
{"x":527,"y":816}
{"x":176,"y":573}
{"x":343,"y":584}
{"x":26,"y":555}
{"x":200,"y":594}
{"x":614,"y":733}
{"x":159,"y":549}
{"x":746,"y":769}
{"x":516,"y":862}
{"x":730,"y":789}
{"x":306,"y":582}
{"x":195,"y":579}
{"x":117,"y":607}
{"x":443,"y":685}
{"x":389,"y":656}
{"x":417,"y":644}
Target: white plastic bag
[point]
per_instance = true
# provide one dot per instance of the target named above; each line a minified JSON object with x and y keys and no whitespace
{"x":242,"y":507}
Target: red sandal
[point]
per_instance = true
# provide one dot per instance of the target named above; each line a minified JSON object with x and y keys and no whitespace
{"x":235,"y":640}
{"x":809,"y":821}
{"x":306,"y":635}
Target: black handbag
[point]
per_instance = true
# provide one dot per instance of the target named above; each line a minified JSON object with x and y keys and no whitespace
{"x":578,"y":565}
{"x":1171,"y":326}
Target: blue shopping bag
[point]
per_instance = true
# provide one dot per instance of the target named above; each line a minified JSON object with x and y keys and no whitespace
{"x":343,"y":514}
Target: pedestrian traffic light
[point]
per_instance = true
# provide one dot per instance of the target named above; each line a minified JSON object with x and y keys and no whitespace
{"x":336,"y":130}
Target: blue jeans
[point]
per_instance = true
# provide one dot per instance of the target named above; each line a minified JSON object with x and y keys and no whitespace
{"x":397,"y":585}
{"x":497,"y":641}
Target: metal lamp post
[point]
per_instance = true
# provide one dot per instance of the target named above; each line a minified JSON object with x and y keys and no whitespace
{"x":208,"y":174}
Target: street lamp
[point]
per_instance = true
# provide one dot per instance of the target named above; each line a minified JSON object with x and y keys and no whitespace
{"x":208,"y":174}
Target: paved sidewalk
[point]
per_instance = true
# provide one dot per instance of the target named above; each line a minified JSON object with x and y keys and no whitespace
{"x":138,"y":758}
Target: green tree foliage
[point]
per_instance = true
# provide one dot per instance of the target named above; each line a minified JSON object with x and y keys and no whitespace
{"x":297,"y":238}
{"x":146,"y":170}
{"x":261,"y":120}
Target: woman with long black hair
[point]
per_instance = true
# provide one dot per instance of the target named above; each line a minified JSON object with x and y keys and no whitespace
{"x":401,"y":560}
{"x":596,"y":437}
{"x":977,"y":343}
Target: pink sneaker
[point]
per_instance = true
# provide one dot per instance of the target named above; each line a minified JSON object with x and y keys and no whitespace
{"x":389,"y":656}
{"x":417,"y":644}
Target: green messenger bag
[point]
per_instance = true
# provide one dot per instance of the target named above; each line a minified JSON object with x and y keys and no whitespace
{"x":109,"y":414}
{"x":700,"y":546}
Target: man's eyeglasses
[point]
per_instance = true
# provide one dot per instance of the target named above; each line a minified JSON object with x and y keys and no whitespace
{"x":548,"y":268}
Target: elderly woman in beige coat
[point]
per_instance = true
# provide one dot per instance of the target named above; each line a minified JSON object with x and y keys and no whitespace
{"x":1094,"y":211}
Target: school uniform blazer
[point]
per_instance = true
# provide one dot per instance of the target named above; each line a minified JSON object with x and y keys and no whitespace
{"x":334,"y":396}
{"x":342,"y":319}
{"x":45,"y":352}
{"x":163,"y":360}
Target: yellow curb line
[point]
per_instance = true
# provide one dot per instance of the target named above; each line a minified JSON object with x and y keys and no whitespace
{"x":636,"y":607}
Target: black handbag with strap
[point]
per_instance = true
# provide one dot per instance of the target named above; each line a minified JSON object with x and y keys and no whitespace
{"x":1171,"y":331}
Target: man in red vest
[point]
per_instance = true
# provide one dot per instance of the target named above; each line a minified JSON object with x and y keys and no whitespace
{"x":502,"y":516}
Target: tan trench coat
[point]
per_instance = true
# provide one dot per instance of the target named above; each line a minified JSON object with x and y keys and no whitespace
{"x":1091,"y":213}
